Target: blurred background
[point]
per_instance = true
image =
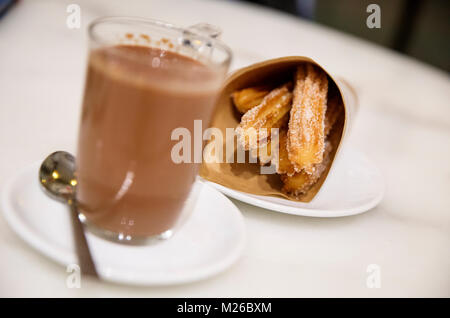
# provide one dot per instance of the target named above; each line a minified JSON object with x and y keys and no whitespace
{"x":418,"y":28}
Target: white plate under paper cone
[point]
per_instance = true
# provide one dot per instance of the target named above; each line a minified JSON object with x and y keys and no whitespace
{"x":354,"y":185}
{"x":211,"y":239}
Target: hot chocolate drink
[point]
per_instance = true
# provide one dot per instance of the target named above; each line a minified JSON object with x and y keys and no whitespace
{"x":135,"y":96}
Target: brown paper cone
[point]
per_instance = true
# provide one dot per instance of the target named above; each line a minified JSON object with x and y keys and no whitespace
{"x":246,"y":177}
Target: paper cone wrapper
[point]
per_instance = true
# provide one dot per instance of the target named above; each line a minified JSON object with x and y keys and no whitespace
{"x":247,"y":177}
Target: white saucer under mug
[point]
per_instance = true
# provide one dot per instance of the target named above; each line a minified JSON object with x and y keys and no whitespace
{"x":209,"y":241}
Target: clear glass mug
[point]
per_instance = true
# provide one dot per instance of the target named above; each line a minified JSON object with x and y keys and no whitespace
{"x":145,"y":79}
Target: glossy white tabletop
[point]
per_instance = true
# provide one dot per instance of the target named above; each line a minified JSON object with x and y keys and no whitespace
{"x":403,"y":125}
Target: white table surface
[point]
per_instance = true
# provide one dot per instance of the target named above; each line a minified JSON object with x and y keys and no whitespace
{"x":403,"y":125}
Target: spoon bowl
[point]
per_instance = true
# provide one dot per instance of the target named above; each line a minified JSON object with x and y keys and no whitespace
{"x":57,"y":176}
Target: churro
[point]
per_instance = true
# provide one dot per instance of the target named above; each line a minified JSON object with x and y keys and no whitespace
{"x":306,"y":125}
{"x":247,"y":98}
{"x":282,"y":162}
{"x":264,"y":151}
{"x":273,"y":112}
{"x":334,"y":109}
{"x":300,"y":182}
{"x":268,"y":153}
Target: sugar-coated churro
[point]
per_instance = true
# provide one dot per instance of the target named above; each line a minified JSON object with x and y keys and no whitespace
{"x":279,"y":157}
{"x":334,"y":109}
{"x":256,"y":124}
{"x":247,"y":98}
{"x":300,"y":182}
{"x":306,"y":137}
{"x":282,"y":162}
{"x":263,"y":152}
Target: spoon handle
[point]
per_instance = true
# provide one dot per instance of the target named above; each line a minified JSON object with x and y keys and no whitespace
{"x":85,"y":260}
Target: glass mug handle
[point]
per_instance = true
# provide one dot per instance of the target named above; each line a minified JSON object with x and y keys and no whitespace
{"x":206,"y":29}
{"x":190,"y":37}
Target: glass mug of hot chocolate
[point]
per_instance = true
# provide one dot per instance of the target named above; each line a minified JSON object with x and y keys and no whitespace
{"x":145,"y":79}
